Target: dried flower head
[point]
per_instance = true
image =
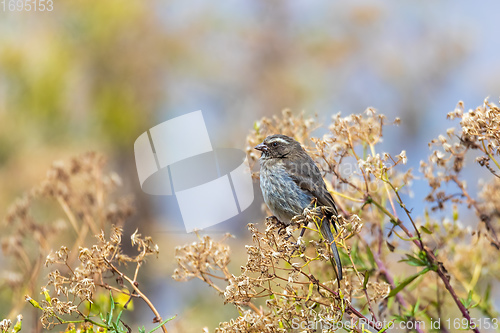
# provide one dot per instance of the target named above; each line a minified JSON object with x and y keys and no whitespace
{"x":391,"y":255}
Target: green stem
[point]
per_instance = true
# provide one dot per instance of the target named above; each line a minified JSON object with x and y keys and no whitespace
{"x":487,"y":151}
{"x":345,"y":196}
{"x":82,"y":321}
{"x":394,"y":220}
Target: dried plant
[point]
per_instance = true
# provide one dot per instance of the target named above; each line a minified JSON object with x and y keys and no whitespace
{"x":479,"y":132}
{"x":6,"y":324}
{"x":84,"y":194}
{"x":400,"y":267}
{"x":404,"y":272}
{"x":74,"y":291}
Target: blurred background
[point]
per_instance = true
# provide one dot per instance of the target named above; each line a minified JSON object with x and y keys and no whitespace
{"x":93,"y":75}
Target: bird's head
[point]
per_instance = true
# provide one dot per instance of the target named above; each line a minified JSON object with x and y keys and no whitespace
{"x":278,"y":146}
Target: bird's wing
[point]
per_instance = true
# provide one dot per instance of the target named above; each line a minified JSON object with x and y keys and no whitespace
{"x":308,"y":177}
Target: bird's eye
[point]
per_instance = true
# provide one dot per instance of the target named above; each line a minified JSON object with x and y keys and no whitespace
{"x":275,"y":144}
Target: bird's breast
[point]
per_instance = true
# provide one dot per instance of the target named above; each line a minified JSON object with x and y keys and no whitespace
{"x":281,"y":194}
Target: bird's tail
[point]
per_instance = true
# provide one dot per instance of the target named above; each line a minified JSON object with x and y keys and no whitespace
{"x":327,"y":233}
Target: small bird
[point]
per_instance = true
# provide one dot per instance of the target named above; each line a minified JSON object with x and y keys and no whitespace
{"x":290,"y":181}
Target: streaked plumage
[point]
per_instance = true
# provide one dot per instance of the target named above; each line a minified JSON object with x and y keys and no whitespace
{"x":290,"y":180}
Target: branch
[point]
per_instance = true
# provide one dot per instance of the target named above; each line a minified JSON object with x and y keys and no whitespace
{"x":439,"y":267}
{"x":139,"y":292}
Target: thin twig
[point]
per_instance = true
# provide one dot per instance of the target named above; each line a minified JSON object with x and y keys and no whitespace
{"x":139,"y":292}
{"x":439,"y":267}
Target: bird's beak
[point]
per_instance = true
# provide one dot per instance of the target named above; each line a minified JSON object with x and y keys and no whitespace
{"x":262,"y":147}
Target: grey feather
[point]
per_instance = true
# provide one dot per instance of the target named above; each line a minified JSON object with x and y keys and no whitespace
{"x":290,"y":180}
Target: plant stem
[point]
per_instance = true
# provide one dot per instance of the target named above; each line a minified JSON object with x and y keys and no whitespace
{"x":68,"y":212}
{"x":349,"y":309}
{"x":383,"y":269}
{"x":139,"y":292}
{"x":484,"y":217}
{"x":86,"y":319}
{"x":439,"y":267}
{"x":487,"y":151}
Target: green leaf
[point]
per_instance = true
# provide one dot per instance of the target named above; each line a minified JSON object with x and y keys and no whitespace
{"x":386,"y":327}
{"x":358,"y":260}
{"x":406,"y":239}
{"x":467,"y":302}
{"x":407,"y":281}
{"x":309,"y":293}
{"x":119,"y":316}
{"x":111,"y":309}
{"x":413,"y":261}
{"x":365,"y":281}
{"x":399,"y":189}
{"x":162,"y":323}
{"x":390,"y":302}
{"x":415,"y":307}
{"x":487,"y":293}
{"x":427,"y":231}
{"x":371,"y":258}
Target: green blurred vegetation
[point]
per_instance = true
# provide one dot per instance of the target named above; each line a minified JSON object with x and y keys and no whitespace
{"x":87,"y":76}
{"x":90,"y":69}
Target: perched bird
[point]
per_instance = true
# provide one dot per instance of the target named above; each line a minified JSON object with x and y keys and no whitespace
{"x":290,"y":181}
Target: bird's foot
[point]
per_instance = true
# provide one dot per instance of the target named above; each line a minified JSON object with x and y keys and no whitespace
{"x":272,"y":217}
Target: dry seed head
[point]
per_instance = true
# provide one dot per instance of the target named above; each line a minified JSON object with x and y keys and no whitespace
{"x":5,"y":325}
